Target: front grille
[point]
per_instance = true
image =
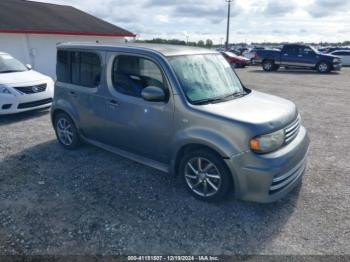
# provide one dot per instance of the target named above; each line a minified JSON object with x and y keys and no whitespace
{"x":35,"y":103}
{"x":291,"y":131}
{"x":31,"y":89}
{"x":281,"y":181}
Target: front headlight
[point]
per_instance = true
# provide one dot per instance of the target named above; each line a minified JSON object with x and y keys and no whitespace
{"x":267,"y":143}
{"x":4,"y":90}
{"x":336,"y":60}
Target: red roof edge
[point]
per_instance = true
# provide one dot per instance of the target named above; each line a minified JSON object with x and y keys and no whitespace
{"x":63,"y":33}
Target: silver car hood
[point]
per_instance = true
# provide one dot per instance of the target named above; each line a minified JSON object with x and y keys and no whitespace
{"x":259,"y":110}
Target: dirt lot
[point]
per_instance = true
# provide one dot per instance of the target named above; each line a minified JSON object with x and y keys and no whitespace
{"x":92,"y":202}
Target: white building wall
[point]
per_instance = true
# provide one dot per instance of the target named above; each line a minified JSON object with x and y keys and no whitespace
{"x":40,"y":50}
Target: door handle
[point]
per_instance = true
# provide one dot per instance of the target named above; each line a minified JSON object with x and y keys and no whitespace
{"x":285,"y":54}
{"x":300,"y":55}
{"x":113,"y":104}
{"x":72,"y":93}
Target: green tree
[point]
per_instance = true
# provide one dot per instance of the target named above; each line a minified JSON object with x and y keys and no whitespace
{"x":209,"y":43}
{"x":201,"y":43}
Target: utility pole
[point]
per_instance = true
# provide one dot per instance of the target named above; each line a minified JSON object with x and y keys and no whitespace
{"x":228,"y":22}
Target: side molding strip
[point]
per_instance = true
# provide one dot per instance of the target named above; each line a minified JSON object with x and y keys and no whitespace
{"x":142,"y":160}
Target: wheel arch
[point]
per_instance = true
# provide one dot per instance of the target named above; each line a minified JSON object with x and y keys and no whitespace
{"x":199,"y":146}
{"x":62,"y":106}
{"x":192,"y":146}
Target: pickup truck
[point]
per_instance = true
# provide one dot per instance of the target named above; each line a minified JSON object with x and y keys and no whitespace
{"x":297,"y":56}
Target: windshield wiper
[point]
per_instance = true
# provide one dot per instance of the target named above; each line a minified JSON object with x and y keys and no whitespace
{"x":219,"y":99}
{"x":234,"y":95}
{"x":207,"y":101}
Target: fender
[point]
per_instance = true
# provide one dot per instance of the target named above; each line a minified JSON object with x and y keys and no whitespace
{"x":205,"y":137}
{"x":63,"y":105}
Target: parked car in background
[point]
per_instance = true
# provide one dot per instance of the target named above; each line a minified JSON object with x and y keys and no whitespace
{"x":234,"y":51}
{"x":344,"y":55}
{"x":181,"y":110}
{"x":328,"y":50}
{"x":250,"y":54}
{"x":236,"y":61}
{"x":220,"y":49}
{"x":298,"y":56}
{"x":21,"y":88}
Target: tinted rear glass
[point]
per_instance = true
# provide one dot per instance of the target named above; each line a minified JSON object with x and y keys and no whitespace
{"x":79,"y":68}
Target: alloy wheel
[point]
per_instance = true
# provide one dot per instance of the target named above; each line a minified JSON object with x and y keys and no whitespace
{"x":268,"y":66}
{"x":203,"y":177}
{"x":323,"y":67}
{"x":65,"y":131}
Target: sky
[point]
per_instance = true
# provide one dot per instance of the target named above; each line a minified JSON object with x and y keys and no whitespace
{"x":251,"y":20}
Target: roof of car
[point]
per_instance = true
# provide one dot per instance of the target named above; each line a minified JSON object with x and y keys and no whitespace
{"x":166,"y":50}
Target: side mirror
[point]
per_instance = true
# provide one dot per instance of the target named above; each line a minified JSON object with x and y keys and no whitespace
{"x":29,"y":66}
{"x":153,"y":93}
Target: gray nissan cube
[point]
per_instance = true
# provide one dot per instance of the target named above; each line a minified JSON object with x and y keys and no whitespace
{"x":181,"y":110}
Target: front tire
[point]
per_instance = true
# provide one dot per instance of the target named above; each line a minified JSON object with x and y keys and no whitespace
{"x":205,"y":175}
{"x":323,"y":67}
{"x":66,"y":131}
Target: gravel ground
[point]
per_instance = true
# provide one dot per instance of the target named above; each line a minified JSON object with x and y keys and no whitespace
{"x":92,"y":202}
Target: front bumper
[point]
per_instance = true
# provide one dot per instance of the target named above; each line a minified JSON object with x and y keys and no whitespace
{"x":337,"y":67}
{"x":11,"y":104}
{"x":268,"y":177}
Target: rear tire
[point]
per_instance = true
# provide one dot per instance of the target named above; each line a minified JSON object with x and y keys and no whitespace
{"x":268,"y":65}
{"x":205,"y":175}
{"x":66,"y":132}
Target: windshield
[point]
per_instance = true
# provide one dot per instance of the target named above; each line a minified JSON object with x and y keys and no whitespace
{"x":8,"y":64}
{"x":314,"y":49}
{"x":205,"y":77}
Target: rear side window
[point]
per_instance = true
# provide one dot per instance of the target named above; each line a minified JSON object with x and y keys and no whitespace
{"x":78,"y":68}
{"x":305,"y":50}
{"x":131,"y":74}
{"x":291,"y":50}
{"x":63,"y":67}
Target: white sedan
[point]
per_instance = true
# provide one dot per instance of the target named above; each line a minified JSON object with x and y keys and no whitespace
{"x":21,"y":88}
{"x":344,"y":55}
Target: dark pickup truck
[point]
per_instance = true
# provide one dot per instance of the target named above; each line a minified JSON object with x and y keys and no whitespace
{"x":297,"y":56}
